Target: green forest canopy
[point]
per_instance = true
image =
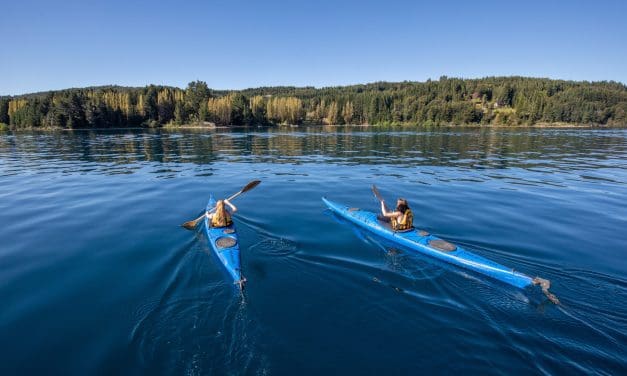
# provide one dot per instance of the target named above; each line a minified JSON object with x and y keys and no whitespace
{"x":454,"y":101}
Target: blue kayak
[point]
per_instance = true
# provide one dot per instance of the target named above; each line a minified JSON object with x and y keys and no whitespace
{"x":425,"y":243}
{"x":224,"y":243}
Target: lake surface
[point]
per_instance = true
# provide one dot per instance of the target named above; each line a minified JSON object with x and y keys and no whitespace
{"x":97,"y":277}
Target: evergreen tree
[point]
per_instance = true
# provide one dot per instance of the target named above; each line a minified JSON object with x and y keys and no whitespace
{"x":4,"y":110}
{"x":196,"y":94}
{"x":150,"y":105}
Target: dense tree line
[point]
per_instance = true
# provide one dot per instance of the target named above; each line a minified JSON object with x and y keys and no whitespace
{"x":492,"y":100}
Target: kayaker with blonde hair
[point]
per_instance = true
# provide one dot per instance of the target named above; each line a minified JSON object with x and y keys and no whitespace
{"x":221,"y":217}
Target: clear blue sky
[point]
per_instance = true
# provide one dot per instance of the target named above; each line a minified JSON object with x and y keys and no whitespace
{"x":49,"y":45}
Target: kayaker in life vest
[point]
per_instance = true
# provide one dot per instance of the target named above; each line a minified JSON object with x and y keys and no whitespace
{"x":221,"y":217}
{"x":402,"y":219}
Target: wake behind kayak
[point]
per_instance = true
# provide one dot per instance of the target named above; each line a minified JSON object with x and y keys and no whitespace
{"x":425,"y":243}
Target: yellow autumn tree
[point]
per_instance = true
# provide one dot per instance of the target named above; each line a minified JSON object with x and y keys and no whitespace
{"x":347,"y":113}
{"x":285,"y":110}
{"x":219,"y":109}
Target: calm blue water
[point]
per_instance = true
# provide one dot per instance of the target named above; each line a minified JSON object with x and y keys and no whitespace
{"x":97,"y":277}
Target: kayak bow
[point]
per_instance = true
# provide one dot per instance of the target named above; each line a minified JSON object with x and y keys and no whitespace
{"x":225,"y":246}
{"x":425,"y":243}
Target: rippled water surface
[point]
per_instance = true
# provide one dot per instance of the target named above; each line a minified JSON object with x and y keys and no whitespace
{"x":97,"y":277}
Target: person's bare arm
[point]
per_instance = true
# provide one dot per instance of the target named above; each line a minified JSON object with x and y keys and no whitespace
{"x":233,"y":207}
{"x":388,"y":214}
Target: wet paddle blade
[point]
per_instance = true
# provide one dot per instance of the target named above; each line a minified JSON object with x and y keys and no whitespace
{"x":250,"y":186}
{"x":376,"y":193}
{"x":190,"y":225}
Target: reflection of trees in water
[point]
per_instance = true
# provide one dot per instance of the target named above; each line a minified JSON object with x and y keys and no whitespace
{"x":494,"y":148}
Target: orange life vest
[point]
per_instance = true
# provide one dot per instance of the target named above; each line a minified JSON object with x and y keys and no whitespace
{"x":405,"y":223}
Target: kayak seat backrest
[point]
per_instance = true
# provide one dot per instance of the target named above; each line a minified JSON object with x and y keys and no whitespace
{"x":402,"y":231}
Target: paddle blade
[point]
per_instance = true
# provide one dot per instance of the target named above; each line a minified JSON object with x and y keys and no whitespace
{"x":191,"y":225}
{"x":376,"y":193}
{"x":246,"y":188}
{"x":250,"y":185}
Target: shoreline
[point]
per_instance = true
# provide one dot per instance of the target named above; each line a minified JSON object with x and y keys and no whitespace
{"x":296,"y":126}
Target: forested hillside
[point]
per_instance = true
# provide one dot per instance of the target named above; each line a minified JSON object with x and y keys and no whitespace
{"x":447,"y":101}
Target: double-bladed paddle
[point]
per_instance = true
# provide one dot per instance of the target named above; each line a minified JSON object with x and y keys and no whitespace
{"x":190,"y":225}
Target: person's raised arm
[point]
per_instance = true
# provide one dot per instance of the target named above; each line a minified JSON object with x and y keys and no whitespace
{"x":233,"y":207}
{"x":383,"y":211}
{"x":389,"y":214}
